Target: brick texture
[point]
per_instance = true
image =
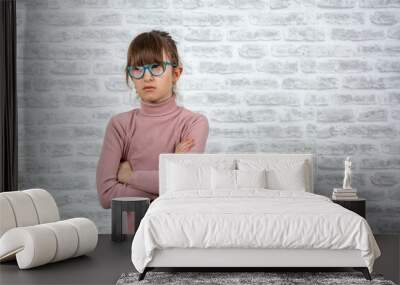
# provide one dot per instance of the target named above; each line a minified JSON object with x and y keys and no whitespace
{"x":314,"y":76}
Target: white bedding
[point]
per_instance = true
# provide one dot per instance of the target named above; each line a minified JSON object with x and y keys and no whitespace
{"x":251,"y":218}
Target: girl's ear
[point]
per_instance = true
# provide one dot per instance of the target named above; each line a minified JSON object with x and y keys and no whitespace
{"x":177,"y":71}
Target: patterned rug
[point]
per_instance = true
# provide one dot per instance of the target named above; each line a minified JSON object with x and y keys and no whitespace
{"x":242,"y":278}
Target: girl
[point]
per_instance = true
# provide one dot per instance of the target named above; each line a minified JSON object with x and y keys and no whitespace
{"x":128,"y":163}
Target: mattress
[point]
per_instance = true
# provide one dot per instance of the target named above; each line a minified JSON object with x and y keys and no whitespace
{"x":250,"y":218}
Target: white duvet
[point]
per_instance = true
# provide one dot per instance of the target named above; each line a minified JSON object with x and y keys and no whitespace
{"x":252,"y":218}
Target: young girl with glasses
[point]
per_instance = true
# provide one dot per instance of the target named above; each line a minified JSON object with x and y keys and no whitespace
{"x":128,"y":163}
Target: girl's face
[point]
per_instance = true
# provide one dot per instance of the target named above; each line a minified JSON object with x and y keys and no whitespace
{"x":161,"y":85}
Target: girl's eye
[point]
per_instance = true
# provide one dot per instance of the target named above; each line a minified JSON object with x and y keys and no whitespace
{"x":157,"y":69}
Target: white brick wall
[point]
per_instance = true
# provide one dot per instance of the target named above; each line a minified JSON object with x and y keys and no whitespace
{"x":271,"y":76}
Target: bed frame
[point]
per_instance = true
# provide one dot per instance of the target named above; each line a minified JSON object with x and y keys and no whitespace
{"x":242,"y":258}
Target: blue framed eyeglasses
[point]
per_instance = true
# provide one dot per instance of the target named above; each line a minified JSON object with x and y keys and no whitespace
{"x":155,"y":69}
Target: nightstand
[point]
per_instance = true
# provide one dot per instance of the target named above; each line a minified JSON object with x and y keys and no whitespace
{"x":357,"y":205}
{"x":139,"y":205}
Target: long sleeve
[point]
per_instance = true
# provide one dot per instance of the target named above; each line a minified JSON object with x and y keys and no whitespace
{"x":146,"y":180}
{"x":198,"y":130}
{"x":108,"y":186}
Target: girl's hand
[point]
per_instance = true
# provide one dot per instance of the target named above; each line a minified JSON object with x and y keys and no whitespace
{"x":184,"y":146}
{"x":124,"y":172}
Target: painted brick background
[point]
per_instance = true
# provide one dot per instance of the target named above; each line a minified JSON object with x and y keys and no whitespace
{"x":271,"y":76}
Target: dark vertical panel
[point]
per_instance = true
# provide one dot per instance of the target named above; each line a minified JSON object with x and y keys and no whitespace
{"x":8,"y":98}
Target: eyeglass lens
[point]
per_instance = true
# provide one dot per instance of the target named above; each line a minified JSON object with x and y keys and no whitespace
{"x":155,"y":70}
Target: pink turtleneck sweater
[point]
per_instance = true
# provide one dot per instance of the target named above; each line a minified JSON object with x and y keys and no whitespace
{"x":139,"y":136}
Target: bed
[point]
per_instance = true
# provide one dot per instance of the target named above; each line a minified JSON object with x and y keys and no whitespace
{"x":247,"y":210}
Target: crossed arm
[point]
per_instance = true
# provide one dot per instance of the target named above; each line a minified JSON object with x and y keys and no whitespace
{"x":108,"y":186}
{"x":119,"y":179}
{"x":148,"y":179}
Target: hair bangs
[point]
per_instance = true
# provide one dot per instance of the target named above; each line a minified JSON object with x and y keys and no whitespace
{"x":146,"y":49}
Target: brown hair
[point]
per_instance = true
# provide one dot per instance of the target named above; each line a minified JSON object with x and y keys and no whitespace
{"x":148,"y":47}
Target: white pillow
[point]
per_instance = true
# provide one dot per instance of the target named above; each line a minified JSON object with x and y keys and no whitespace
{"x":223,"y":179}
{"x":182,"y":177}
{"x":251,"y":178}
{"x":282,"y":173}
{"x":230,"y":180}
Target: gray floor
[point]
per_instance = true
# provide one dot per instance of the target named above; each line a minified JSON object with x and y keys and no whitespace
{"x":110,"y":259}
{"x":102,"y":266}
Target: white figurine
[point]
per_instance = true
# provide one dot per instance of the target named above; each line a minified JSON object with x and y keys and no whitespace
{"x":347,"y":174}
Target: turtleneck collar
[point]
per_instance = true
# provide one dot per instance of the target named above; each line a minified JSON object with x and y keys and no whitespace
{"x":158,"y":109}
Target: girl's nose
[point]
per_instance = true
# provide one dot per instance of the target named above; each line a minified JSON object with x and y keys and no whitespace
{"x":147,"y":75}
